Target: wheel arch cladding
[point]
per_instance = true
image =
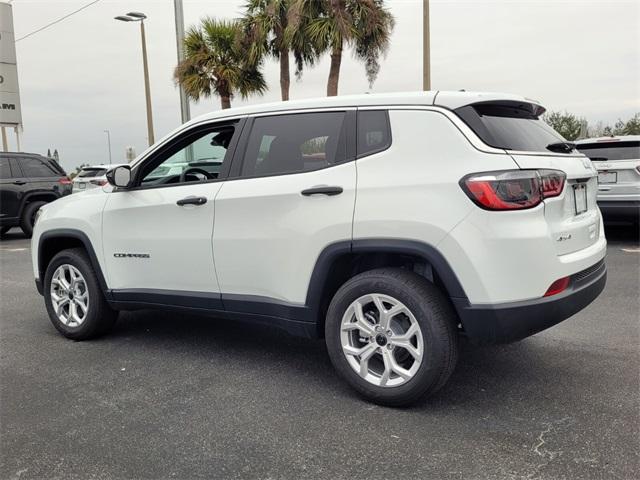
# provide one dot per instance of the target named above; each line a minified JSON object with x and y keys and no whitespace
{"x":340,"y":261}
{"x":54,"y":241}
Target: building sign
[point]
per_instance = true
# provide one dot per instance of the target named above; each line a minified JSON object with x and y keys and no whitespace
{"x":10,"y":112}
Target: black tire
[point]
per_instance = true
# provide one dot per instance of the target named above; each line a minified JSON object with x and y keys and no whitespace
{"x":433,"y":313}
{"x":4,"y":230}
{"x":99,"y":317}
{"x":29,"y":217}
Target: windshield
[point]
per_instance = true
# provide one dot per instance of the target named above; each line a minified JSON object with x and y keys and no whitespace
{"x":611,"y":150}
{"x":509,"y":127}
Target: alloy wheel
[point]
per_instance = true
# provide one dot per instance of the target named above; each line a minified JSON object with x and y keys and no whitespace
{"x":381,"y":340}
{"x":69,"y":295}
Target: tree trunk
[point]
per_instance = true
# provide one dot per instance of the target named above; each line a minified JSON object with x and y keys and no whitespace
{"x":284,"y":73}
{"x":334,"y":72}
{"x":225,"y":94}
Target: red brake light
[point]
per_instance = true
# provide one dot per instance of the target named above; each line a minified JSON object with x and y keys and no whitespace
{"x":558,"y":286}
{"x":100,"y":183}
{"x":512,"y":189}
{"x":65,"y":181}
{"x":552,"y":182}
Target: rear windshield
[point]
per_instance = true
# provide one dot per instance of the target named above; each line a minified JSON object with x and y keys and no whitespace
{"x":92,"y":172}
{"x":509,"y":127}
{"x":611,"y":150}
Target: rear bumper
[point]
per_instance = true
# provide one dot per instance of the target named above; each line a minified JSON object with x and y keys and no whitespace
{"x":517,"y":320}
{"x":621,"y":209}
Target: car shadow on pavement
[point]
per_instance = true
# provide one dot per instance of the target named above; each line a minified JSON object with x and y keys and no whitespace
{"x":492,"y":373}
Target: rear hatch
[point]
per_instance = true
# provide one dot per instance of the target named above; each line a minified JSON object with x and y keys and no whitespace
{"x":90,"y":177}
{"x":618,"y":163}
{"x":517,"y":127}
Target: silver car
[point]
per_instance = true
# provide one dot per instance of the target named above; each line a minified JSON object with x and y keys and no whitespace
{"x":91,"y":177}
{"x":617,"y":160}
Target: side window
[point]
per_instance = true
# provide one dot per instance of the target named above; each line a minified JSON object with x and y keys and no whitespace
{"x":5,"y":168}
{"x":36,"y":168}
{"x":293,"y":143}
{"x":374,"y":134}
{"x":196,"y":157}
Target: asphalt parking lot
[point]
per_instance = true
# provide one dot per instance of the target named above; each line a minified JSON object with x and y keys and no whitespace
{"x":166,"y":396}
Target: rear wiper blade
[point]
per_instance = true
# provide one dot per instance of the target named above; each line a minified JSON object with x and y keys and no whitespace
{"x":562,"y":147}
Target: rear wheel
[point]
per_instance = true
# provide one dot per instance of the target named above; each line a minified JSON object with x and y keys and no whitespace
{"x":74,"y":299}
{"x":391,"y":334}
{"x":29,"y":217}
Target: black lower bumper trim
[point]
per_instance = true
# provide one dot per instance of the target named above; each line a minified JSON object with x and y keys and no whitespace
{"x":625,"y":209}
{"x":514,"y":321}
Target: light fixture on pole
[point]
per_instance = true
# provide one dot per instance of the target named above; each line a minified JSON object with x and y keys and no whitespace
{"x":109,"y":143}
{"x":140,"y":17}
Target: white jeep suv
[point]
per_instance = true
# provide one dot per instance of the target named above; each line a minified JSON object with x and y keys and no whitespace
{"x":390,"y":225}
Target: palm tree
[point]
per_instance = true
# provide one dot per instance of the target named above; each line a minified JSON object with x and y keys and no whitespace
{"x":263,"y":34}
{"x":365,"y":25}
{"x":216,"y":64}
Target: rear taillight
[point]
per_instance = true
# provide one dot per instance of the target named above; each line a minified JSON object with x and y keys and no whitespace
{"x":100,"y":183}
{"x":64,"y":181}
{"x":513,"y":189}
{"x":557,"y":287}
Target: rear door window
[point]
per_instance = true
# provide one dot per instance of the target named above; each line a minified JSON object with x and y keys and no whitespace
{"x":293,"y":143}
{"x":611,"y":150}
{"x":510,"y":127}
{"x":5,"y":168}
{"x":37,"y":168}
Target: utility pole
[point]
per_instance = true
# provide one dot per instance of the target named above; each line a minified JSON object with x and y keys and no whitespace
{"x":109,"y":143}
{"x":185,"y":113}
{"x":140,"y":17}
{"x":426,"y":47}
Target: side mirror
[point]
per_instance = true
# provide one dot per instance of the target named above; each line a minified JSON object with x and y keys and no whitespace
{"x":119,"y":176}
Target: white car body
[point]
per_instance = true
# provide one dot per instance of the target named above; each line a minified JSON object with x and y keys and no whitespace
{"x":93,"y":176}
{"x":258,"y":248}
{"x":617,"y":159}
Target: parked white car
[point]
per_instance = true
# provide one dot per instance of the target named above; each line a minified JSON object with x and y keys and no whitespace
{"x":93,"y":176}
{"x":389,"y":225}
{"x":617,"y":160}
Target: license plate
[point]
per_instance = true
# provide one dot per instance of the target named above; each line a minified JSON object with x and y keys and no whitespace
{"x":580,"y":197}
{"x":81,"y":185}
{"x":607,"y":177}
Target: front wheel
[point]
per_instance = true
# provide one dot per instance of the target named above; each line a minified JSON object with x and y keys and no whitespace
{"x":392,"y":336}
{"x":74,"y":299}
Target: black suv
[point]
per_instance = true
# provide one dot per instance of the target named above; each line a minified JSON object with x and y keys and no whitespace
{"x":28,"y":181}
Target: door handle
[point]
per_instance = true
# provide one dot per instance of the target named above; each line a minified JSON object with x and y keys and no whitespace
{"x":330,"y":191}
{"x":19,"y":182}
{"x":192,"y":201}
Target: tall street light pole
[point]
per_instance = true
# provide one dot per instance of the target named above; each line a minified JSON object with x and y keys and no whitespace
{"x":109,"y":143}
{"x":140,"y":17}
{"x":185,"y":114}
{"x":426,"y":47}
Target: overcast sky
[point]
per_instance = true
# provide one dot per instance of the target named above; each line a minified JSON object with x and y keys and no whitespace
{"x":84,"y":75}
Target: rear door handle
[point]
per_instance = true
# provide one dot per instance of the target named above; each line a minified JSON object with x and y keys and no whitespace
{"x":192,"y":201}
{"x":322,"y":191}
{"x":19,"y":182}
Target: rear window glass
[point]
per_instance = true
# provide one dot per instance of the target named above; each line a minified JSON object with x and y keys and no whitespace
{"x":611,"y":150}
{"x":92,"y":172}
{"x":509,"y":127}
